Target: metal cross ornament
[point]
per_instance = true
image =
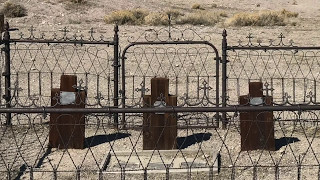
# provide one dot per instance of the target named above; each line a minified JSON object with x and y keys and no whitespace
{"x":80,"y":87}
{"x":267,"y":89}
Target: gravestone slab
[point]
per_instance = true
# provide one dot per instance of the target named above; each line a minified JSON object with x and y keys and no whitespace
{"x":67,"y":130}
{"x":256,"y":128}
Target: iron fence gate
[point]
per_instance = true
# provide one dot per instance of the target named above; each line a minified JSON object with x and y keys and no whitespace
{"x":190,"y":63}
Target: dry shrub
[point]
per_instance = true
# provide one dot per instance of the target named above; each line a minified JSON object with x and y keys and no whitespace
{"x":175,"y":14}
{"x":214,"y":5}
{"x":138,"y":17}
{"x":132,"y":17}
{"x":289,"y":14}
{"x":223,"y":14}
{"x":200,"y":18}
{"x":156,"y":19}
{"x":264,"y":18}
{"x":11,"y":9}
{"x":75,"y":1}
{"x":197,"y":6}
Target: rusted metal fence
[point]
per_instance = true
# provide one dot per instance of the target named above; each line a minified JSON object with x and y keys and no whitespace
{"x":115,"y":81}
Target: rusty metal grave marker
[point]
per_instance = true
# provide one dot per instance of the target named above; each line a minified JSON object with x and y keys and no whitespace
{"x":159,"y":129}
{"x":67,"y":130}
{"x":256,"y":128}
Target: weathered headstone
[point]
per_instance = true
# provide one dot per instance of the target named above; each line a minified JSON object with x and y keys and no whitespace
{"x":256,"y":128}
{"x":159,"y":130}
{"x":67,"y":130}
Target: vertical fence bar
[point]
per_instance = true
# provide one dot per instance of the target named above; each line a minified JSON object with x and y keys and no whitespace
{"x":294,"y":90}
{"x":276,"y":172}
{"x":1,"y":24}
{"x":145,"y":174}
{"x":31,"y":173}
{"x":78,"y":173}
{"x":254,"y":176}
{"x":217,"y":59}
{"x":123,"y":86}
{"x":100,"y":174}
{"x":54,"y":176}
{"x":233,"y":173}
{"x":115,"y":74}
{"x":318,"y":171}
{"x":211,"y":172}
{"x":6,"y":74}
{"x":9,"y":174}
{"x":224,"y":77}
{"x":123,"y":173}
{"x":299,"y":167}
{"x":315,"y":90}
{"x":1,"y":30}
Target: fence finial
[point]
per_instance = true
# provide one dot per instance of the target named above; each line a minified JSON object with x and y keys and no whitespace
{"x":116,"y":28}
{"x":224,"y":33}
{"x":6,"y":26}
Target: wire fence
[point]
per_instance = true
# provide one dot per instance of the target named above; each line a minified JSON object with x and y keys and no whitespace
{"x":109,"y":116}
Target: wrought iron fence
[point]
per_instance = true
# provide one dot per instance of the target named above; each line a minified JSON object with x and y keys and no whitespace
{"x":206,"y":153}
{"x":115,"y":83}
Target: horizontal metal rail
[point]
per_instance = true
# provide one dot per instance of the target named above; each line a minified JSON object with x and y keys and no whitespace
{"x":173,"y":109}
{"x":81,"y":42}
{"x":273,"y":48}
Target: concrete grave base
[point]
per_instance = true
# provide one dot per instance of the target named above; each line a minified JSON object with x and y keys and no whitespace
{"x":155,"y":161}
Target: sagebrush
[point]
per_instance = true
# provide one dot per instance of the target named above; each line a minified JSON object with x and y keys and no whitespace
{"x":140,"y":17}
{"x":11,"y":9}
{"x":263,"y":18}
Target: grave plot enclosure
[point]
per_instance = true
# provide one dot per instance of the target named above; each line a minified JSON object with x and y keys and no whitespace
{"x":189,"y":62}
{"x":123,"y":120}
{"x":36,"y":62}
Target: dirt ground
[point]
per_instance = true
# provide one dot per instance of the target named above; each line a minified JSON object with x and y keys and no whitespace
{"x":52,"y":15}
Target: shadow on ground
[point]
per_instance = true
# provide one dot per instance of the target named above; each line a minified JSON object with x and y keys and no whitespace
{"x":100,"y":139}
{"x":184,"y":142}
{"x":284,"y":141}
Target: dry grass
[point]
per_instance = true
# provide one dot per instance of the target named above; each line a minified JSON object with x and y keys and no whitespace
{"x":75,"y":1}
{"x":175,"y":14}
{"x":197,"y":6}
{"x":202,"y":18}
{"x":263,"y":18}
{"x":139,"y":17}
{"x":11,"y":9}
{"x":214,"y":5}
{"x":157,"y":18}
{"x":132,"y":17}
{"x":289,"y":14}
{"x":294,"y":2}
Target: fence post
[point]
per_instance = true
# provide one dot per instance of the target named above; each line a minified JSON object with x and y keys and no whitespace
{"x":6,"y":73}
{"x":115,"y":74}
{"x":1,"y":24}
{"x":224,"y":77}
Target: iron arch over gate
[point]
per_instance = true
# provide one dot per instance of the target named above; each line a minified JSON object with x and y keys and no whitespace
{"x":192,"y":68}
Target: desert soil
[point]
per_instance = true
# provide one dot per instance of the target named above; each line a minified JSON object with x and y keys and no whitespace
{"x":50,"y":16}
